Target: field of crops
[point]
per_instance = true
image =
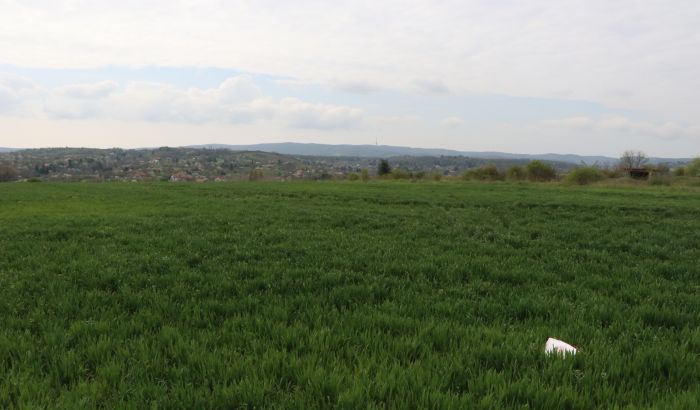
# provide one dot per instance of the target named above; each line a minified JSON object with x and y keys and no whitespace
{"x":348,"y":295}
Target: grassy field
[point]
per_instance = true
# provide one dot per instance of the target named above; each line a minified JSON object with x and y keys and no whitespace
{"x":348,"y":295}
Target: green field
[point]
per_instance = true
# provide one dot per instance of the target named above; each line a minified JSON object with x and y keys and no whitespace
{"x":348,"y":295}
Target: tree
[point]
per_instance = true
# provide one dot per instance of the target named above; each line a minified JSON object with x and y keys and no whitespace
{"x":539,"y":171}
{"x":633,"y":159}
{"x":693,"y":169}
{"x":383,"y":168}
{"x":7,"y":173}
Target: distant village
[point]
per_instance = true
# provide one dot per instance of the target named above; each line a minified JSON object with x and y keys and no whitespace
{"x":216,"y":165}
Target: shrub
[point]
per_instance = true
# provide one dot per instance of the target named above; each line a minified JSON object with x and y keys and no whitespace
{"x":539,"y":171}
{"x":693,"y":169}
{"x":7,"y":173}
{"x":659,"y":180}
{"x":516,"y":173}
{"x":485,"y":173}
{"x":611,"y":172}
{"x":400,"y":174}
{"x":418,"y":175}
{"x":353,"y":176}
{"x":437,"y":176}
{"x":679,"y":172}
{"x":585,"y":175}
{"x":364,"y":175}
{"x":255,"y":175}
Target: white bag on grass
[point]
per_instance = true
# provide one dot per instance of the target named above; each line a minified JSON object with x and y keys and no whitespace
{"x":555,"y":346}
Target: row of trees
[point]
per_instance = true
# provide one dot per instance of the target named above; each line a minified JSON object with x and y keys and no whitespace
{"x":534,"y":171}
{"x":7,"y":173}
{"x":542,"y":171}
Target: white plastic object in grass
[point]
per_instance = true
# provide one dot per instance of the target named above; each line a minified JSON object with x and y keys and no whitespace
{"x":555,"y":346}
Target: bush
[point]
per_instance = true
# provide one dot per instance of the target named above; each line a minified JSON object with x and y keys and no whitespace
{"x":539,"y":171}
{"x":485,"y":173}
{"x":7,"y":173}
{"x":659,"y":180}
{"x":693,"y":169}
{"x":437,"y":176}
{"x":353,"y":176}
{"x":364,"y":175}
{"x":516,"y":173}
{"x":612,"y":172}
{"x":679,"y":172}
{"x":255,"y":175}
{"x":418,"y":175}
{"x":585,"y":175}
{"x":400,"y":174}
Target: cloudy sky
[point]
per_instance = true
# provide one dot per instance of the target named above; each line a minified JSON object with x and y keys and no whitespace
{"x":535,"y":76}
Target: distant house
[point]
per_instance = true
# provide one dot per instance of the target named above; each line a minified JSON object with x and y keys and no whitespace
{"x":180,"y":176}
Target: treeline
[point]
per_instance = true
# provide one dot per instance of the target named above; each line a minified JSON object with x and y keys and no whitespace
{"x":633,"y":165}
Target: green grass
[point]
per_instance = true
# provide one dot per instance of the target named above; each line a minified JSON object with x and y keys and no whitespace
{"x":347,"y":295}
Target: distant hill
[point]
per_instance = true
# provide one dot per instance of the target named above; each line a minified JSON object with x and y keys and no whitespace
{"x":328,"y":150}
{"x":388,"y":151}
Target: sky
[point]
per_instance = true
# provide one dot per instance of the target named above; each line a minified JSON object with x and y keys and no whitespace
{"x":530,"y":76}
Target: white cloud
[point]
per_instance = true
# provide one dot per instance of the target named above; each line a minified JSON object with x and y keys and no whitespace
{"x":237,"y":100}
{"x":89,"y":91}
{"x":237,"y":89}
{"x":357,"y":87}
{"x":426,"y":86}
{"x":14,"y":90}
{"x":452,"y":122}
{"x":623,"y":127}
{"x":302,"y":114}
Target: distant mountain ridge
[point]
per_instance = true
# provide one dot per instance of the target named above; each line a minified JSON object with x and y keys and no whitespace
{"x":388,"y":151}
{"x":2,"y":149}
{"x":329,"y":150}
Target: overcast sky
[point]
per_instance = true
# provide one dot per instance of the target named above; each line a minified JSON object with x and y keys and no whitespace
{"x":535,"y":76}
